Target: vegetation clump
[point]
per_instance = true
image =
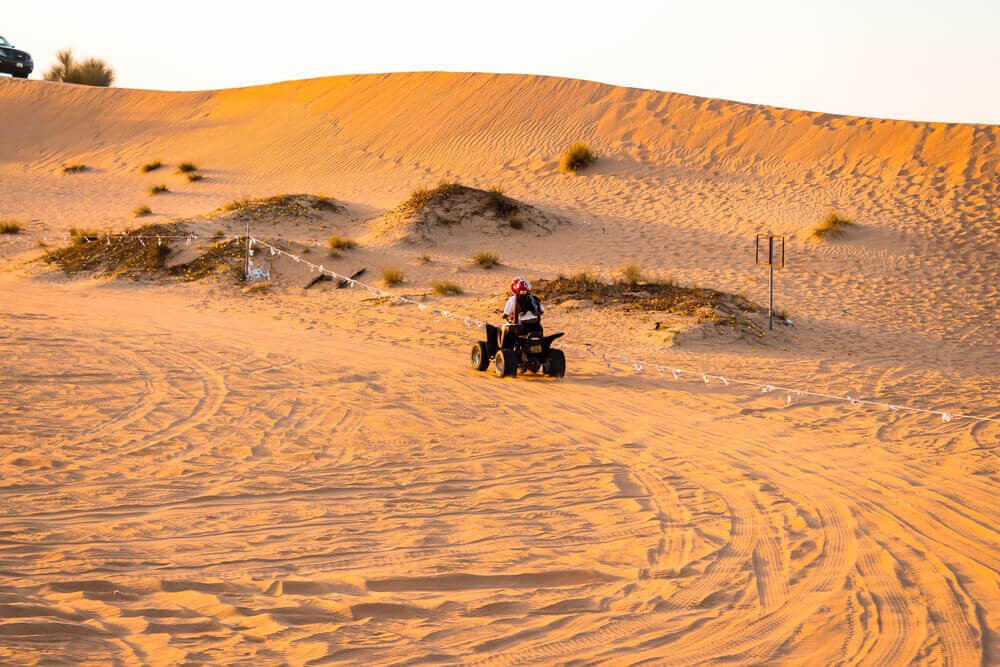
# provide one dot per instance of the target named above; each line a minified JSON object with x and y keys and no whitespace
{"x":89,"y":72}
{"x":833,"y":225}
{"x":445,"y":287}
{"x":194,"y":177}
{"x":281,"y":206}
{"x":486,"y":259}
{"x":337,"y":242}
{"x":150,"y":166}
{"x":157,"y":189}
{"x":702,"y":304}
{"x":503,"y":205}
{"x":631,"y":274}
{"x":10,"y":228}
{"x":391,"y":277}
{"x":74,"y":168}
{"x":186,"y":168}
{"x":142,"y":211}
{"x":576,"y":157}
{"x":134,"y":253}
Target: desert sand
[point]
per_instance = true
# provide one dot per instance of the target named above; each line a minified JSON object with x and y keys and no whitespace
{"x":199,"y":472}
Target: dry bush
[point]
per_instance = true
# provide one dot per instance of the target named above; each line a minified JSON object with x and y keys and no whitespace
{"x":9,"y":228}
{"x":142,"y":211}
{"x":501,"y":203}
{"x":157,"y":189}
{"x":341,"y":243}
{"x":576,"y":157}
{"x":150,"y":166}
{"x":516,"y":222}
{"x":631,"y":274}
{"x":391,"y":277}
{"x":486,"y":259}
{"x":832,"y":226}
{"x":186,"y":168}
{"x":445,"y":287}
{"x":74,"y":168}
{"x":79,"y":236}
{"x":89,"y":72}
{"x":238,"y":204}
{"x":194,"y":177}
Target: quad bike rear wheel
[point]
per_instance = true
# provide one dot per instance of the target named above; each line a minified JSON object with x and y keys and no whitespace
{"x":557,"y":364}
{"x":506,"y":363}
{"x":480,"y":360}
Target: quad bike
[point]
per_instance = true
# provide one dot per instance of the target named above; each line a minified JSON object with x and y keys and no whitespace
{"x":531,"y":351}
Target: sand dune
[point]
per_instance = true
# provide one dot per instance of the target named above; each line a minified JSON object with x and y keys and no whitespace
{"x":195,"y":473}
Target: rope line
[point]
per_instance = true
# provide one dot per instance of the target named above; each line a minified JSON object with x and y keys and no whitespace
{"x":639,"y":365}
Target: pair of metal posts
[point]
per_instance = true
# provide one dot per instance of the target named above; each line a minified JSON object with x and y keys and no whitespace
{"x":770,"y":259}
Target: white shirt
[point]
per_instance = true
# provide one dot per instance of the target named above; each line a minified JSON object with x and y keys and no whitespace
{"x":528,"y":316}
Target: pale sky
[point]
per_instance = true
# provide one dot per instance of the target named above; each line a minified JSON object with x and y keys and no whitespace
{"x":918,"y":60}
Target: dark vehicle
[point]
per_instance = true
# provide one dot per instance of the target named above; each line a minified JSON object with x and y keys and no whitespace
{"x":14,"y":62}
{"x":531,"y":351}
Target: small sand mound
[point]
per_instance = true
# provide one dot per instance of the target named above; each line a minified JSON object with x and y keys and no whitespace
{"x":697,"y":304}
{"x":427,"y":212}
{"x":144,"y":253}
{"x":279,"y":207}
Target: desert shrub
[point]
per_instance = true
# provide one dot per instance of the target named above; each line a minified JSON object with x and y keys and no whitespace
{"x":150,"y":166}
{"x":74,"y":168}
{"x":9,"y":228}
{"x":186,"y":168}
{"x":833,"y":225}
{"x":141,"y":211}
{"x":444,"y":287}
{"x":486,"y":259}
{"x":238,"y":204}
{"x":157,"y":189}
{"x":576,"y":157}
{"x":327,"y":204}
{"x":89,"y":72}
{"x":516,"y":222}
{"x":501,"y":203}
{"x":422,"y":196}
{"x":194,"y":176}
{"x":392,"y":277}
{"x":424,"y":258}
{"x":341,"y":243}
{"x":631,"y":274}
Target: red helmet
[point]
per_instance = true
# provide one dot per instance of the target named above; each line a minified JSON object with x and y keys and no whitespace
{"x":520,"y":286}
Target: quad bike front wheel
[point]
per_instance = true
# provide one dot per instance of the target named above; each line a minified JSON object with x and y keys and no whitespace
{"x":480,"y":360}
{"x":557,"y":364}
{"x":506,"y":363}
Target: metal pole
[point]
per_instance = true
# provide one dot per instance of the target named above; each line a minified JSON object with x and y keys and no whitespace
{"x":246,"y":259}
{"x":770,"y":284}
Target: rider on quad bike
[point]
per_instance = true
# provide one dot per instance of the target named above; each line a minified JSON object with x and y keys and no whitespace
{"x":520,"y":345}
{"x":523,"y":310}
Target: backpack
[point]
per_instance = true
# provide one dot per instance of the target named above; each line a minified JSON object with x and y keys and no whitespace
{"x":529,"y":303}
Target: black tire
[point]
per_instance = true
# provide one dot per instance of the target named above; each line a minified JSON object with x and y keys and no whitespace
{"x":20,"y":75}
{"x":506,"y":363}
{"x":557,"y":364}
{"x":480,"y":360}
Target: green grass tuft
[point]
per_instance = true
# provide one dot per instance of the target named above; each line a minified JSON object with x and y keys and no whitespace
{"x":576,"y":158}
{"x":832,"y":226}
{"x":631,"y":274}
{"x":486,"y":259}
{"x":445,"y":287}
{"x":341,"y":243}
{"x":391,"y":277}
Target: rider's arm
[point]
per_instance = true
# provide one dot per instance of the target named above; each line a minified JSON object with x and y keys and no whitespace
{"x":508,"y":310}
